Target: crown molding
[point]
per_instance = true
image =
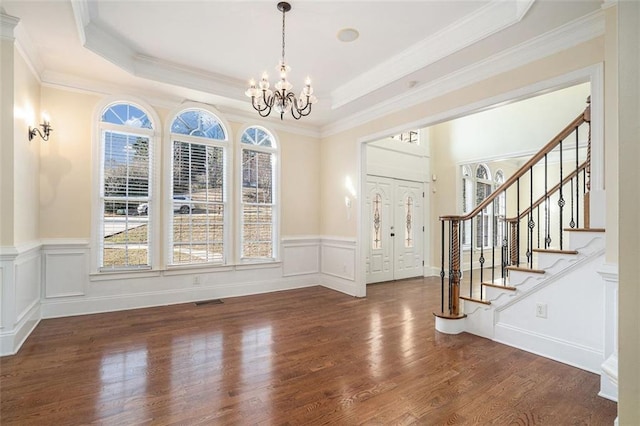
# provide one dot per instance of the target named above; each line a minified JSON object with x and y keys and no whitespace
{"x":476,"y":26}
{"x":120,"y":53}
{"x":29,"y":52}
{"x":77,"y":84}
{"x":8,"y":24}
{"x":609,"y":3}
{"x":564,"y":37}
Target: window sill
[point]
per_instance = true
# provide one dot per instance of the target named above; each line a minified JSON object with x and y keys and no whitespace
{"x":258,"y":264}
{"x":196,"y":269}
{"x":123,"y":274}
{"x":183,"y":270}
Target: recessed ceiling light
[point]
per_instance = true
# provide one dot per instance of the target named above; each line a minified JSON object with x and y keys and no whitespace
{"x":347,"y":35}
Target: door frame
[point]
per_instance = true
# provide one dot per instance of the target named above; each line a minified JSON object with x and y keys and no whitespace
{"x":594,"y":74}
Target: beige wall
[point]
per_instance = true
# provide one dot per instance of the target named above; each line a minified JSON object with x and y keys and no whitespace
{"x":66,"y":170}
{"x":339,"y":152}
{"x":300,"y":184}
{"x":26,"y":153}
{"x":7,"y":145}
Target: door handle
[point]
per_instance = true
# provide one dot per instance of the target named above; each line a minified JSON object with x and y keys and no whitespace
{"x":393,"y":234}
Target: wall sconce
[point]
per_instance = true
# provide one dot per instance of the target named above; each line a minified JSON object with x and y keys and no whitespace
{"x":46,"y":129}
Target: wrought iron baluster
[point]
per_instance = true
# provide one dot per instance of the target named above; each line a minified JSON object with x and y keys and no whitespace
{"x":494,"y":239}
{"x":547,"y":219}
{"x":577,"y":185}
{"x":517,"y":244}
{"x":442,"y":266}
{"x":530,"y":224}
{"x":572,"y":223}
{"x":481,"y":260}
{"x":450,"y":266}
{"x":561,"y":201}
{"x":505,"y":248}
{"x":471,"y":259}
{"x":538,"y":220}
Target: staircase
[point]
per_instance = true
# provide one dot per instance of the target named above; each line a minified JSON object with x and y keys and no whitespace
{"x":530,"y":280}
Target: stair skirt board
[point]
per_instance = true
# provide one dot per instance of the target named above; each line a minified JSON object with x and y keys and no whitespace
{"x":579,"y":356}
{"x":485,"y":320}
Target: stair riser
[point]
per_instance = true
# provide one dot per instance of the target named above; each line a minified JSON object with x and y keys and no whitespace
{"x":517,"y":278}
{"x":586,"y":242}
{"x":552,"y":262}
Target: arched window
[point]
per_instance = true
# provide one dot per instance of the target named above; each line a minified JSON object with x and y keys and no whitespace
{"x":484,"y":221}
{"x":258,"y":195}
{"x":197,"y":206}
{"x":476,"y":187}
{"x":467,"y":202}
{"x":125,"y":155}
{"x":500,"y":211}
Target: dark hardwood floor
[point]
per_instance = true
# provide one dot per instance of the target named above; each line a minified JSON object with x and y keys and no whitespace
{"x":301,"y":357}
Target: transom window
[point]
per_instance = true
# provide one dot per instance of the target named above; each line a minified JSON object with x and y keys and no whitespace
{"x":198,"y":206}
{"x":258,"y":200}
{"x":125,"y":187}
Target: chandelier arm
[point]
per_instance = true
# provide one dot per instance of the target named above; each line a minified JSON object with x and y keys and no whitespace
{"x":304,"y":111}
{"x":256,"y":106}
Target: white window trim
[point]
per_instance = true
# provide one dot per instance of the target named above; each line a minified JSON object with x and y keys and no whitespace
{"x":276,"y":194}
{"x":97,"y":173}
{"x":474,"y":181}
{"x":167,"y":179}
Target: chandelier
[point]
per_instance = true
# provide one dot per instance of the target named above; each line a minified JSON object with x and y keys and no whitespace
{"x":282,"y":99}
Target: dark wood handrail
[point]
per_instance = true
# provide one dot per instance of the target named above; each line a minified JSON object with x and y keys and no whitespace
{"x":549,"y":193}
{"x":571,"y":127}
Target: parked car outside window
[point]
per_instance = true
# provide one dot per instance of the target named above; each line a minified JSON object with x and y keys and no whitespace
{"x":181,"y":204}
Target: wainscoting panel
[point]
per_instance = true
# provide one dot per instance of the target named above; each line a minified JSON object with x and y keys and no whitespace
{"x":300,"y":256}
{"x":338,"y":264}
{"x":20,"y":286}
{"x":27,"y":275}
{"x":339,"y":258}
{"x":65,"y":273}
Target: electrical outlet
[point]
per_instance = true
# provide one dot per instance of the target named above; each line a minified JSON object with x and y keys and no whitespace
{"x":541,"y":310}
{"x":196,"y":280}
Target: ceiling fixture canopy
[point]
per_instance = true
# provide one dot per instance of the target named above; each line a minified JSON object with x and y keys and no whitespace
{"x":282,"y":99}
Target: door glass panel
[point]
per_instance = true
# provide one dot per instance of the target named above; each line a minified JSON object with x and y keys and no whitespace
{"x":376,"y":242}
{"x":408,"y":229}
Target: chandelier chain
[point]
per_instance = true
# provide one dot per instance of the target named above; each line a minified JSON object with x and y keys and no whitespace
{"x":283,"y":20}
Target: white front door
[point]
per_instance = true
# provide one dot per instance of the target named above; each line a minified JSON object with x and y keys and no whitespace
{"x":409,"y":220}
{"x":380,"y":217}
{"x":395,"y":212}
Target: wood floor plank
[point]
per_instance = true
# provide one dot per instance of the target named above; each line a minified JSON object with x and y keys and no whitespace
{"x":302,"y":357}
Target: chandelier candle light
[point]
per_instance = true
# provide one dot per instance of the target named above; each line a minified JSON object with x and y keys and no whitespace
{"x":283,"y":99}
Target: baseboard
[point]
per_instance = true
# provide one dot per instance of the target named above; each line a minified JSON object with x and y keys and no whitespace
{"x":339,"y":284}
{"x":92,"y":305}
{"x":579,"y":356}
{"x":11,"y":342}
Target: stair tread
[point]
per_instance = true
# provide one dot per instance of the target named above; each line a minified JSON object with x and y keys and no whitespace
{"x":471,"y":299}
{"x":521,"y":269}
{"x":584,"y":229}
{"x":555,"y":251}
{"x":500,"y":286}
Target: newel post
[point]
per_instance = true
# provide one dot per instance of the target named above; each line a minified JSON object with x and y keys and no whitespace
{"x":454,"y":273}
{"x":586,"y":198}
